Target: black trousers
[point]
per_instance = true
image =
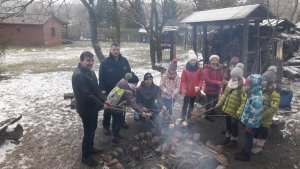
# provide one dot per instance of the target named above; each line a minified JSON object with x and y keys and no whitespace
{"x":117,"y":122}
{"x":187,"y":108}
{"x":107,"y":117}
{"x":212,"y":100}
{"x":89,"y":121}
{"x":232,"y":126}
{"x":261,"y":133}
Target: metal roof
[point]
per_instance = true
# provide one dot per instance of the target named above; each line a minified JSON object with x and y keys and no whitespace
{"x":274,"y":22}
{"x":232,"y":13}
{"x":31,"y":19}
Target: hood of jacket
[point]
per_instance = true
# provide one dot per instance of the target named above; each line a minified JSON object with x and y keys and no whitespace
{"x":255,"y":83}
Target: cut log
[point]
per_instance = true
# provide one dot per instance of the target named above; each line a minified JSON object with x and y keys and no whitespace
{"x":289,"y":73}
{"x":12,"y":134}
{"x":15,"y":134}
{"x":69,"y":96}
{"x":8,"y":122}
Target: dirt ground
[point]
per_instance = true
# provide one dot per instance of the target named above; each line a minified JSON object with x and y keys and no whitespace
{"x":53,"y":133}
{"x":62,"y":150}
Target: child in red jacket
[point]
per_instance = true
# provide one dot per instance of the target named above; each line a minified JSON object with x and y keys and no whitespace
{"x":191,"y":84}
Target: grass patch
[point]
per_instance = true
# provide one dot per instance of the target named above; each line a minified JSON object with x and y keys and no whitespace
{"x":41,"y":66}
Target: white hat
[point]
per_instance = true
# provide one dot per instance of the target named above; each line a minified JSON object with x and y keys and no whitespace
{"x":240,"y":65}
{"x":214,"y":57}
{"x":192,"y":55}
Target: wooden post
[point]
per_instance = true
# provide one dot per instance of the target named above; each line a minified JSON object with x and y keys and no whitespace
{"x":245,"y":46}
{"x":194,"y":37}
{"x":256,"y":67}
{"x":173,"y":46}
{"x":204,"y":53}
{"x":279,"y":60}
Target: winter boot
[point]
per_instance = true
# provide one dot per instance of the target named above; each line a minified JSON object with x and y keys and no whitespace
{"x":106,"y":132}
{"x":242,"y":156}
{"x":226,"y":141}
{"x":259,"y":146}
{"x":97,"y":151}
{"x":125,"y":125}
{"x":90,"y":162}
{"x":115,"y":141}
{"x":233,"y":142}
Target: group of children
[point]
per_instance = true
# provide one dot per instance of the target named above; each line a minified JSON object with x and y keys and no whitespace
{"x":253,"y":100}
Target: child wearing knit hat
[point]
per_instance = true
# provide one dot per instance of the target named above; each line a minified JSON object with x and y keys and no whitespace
{"x":271,"y":103}
{"x":231,"y":103}
{"x":226,"y":77}
{"x":170,"y":86}
{"x":190,"y":87}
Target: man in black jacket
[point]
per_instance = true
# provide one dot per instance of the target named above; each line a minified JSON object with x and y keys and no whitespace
{"x":89,"y":100}
{"x":111,"y":71}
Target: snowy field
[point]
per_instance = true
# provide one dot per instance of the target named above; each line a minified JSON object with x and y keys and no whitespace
{"x":37,"y":94}
{"x":40,"y":77}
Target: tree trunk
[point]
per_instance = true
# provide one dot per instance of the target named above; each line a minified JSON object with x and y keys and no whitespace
{"x":294,"y":12}
{"x":117,"y":22}
{"x":152,"y":43}
{"x":94,"y":31}
{"x":158,"y":34}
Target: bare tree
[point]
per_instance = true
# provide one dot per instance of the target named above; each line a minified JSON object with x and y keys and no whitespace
{"x":11,"y":8}
{"x":116,"y":19}
{"x":90,"y":6}
{"x":153,"y":24}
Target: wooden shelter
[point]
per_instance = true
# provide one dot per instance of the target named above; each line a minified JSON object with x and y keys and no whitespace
{"x":235,"y":19}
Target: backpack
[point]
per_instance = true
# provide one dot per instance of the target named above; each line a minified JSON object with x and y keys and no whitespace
{"x":286,"y":97}
{"x":115,"y":96}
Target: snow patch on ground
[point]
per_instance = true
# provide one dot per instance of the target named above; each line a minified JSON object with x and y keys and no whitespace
{"x":8,"y":147}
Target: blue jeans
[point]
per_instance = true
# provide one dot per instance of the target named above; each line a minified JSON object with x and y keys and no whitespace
{"x":248,"y":141}
{"x":89,"y":121}
{"x":154,"y":108}
{"x":168,"y":103}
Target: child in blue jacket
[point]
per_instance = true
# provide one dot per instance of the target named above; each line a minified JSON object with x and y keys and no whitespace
{"x":252,"y":114}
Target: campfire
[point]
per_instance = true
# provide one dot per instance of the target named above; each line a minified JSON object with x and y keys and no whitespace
{"x":171,"y":148}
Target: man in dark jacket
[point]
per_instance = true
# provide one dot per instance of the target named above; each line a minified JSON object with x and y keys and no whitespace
{"x":89,"y":101}
{"x":148,"y":96}
{"x":111,"y":71}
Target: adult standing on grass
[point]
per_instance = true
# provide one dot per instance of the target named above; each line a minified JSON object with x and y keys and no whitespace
{"x":111,"y":71}
{"x":89,"y":101}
